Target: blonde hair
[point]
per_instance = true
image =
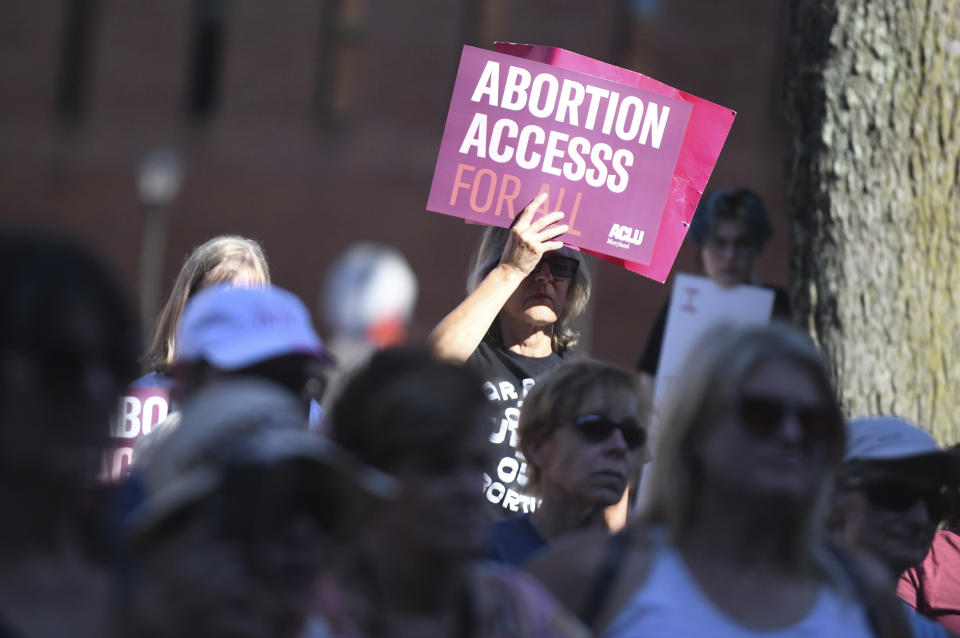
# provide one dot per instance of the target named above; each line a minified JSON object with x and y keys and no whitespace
{"x":718,"y":365}
{"x":556,"y":399}
{"x":488,"y":256}
{"x":219,"y":259}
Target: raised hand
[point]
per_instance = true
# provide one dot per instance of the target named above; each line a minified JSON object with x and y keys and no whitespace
{"x":528,"y":241}
{"x":461,"y":331}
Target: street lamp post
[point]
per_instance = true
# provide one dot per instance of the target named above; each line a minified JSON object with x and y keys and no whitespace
{"x":159,"y":180}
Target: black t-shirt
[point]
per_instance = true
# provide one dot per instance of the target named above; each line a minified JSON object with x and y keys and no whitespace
{"x":650,"y":357}
{"x":6,"y":631}
{"x":507,"y":377}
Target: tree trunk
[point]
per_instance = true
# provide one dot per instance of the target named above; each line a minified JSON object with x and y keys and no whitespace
{"x":872,"y":97}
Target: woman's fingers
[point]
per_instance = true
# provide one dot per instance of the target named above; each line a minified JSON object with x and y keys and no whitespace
{"x":545,"y":221}
{"x":529,"y":239}
{"x":552,"y":231}
{"x":527,"y":214}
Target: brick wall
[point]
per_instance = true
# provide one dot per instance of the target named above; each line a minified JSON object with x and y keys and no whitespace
{"x":276,"y":161}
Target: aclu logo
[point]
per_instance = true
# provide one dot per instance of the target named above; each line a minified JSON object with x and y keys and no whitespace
{"x":624,"y":236}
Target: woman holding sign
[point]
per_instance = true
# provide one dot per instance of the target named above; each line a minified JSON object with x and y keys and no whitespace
{"x":525,"y":291}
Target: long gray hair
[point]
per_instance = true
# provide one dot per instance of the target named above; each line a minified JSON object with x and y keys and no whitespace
{"x":488,"y":256}
{"x":216,"y":260}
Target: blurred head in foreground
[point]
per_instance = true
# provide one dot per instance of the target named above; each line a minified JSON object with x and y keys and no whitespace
{"x":67,"y":345}
{"x":228,"y":332}
{"x":425,"y":422}
{"x":755,"y":427}
{"x":243,"y":511}
{"x":265,"y":332}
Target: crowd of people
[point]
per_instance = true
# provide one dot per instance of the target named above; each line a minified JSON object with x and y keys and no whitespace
{"x":483,"y":484}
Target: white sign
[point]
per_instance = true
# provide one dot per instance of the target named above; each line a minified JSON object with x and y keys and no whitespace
{"x":696,"y":304}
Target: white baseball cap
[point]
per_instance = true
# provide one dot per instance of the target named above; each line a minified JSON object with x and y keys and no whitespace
{"x":891,"y":438}
{"x":235,"y":327}
{"x":886,"y":438}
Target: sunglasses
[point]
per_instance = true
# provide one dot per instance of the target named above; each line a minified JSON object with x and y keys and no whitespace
{"x":764,"y":416}
{"x":560,"y":267}
{"x":597,"y":428}
{"x":897,"y":496}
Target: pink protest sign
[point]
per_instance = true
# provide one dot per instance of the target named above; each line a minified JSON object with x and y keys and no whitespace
{"x":624,"y":156}
{"x":138,"y":411}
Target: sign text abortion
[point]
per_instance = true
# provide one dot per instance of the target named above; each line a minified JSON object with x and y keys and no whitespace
{"x":603,"y":152}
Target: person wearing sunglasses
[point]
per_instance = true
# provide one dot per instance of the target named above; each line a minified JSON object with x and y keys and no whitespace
{"x":583,"y":433}
{"x":730,"y":543}
{"x":525,"y":291}
{"x":894,"y":488}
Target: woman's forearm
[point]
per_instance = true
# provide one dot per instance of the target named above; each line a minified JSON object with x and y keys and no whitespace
{"x":460,"y":332}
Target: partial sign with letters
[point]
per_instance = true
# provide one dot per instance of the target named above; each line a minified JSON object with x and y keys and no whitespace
{"x":697,"y":303}
{"x":619,"y":153}
{"x":138,"y":411}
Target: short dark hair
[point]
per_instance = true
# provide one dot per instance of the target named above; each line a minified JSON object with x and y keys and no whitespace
{"x":43,"y":278}
{"x":67,"y":323}
{"x":405,"y":404}
{"x":739,"y":204}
